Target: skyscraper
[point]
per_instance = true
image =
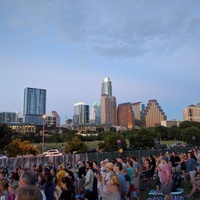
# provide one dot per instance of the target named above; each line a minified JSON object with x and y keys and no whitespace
{"x":153,"y":114}
{"x":8,"y":117}
{"x":95,"y":113}
{"x":106,"y":87}
{"x":34,"y":105}
{"x":81,"y":113}
{"x":138,"y":109}
{"x":108,"y":103}
{"x":125,"y":115}
{"x":108,"y":110}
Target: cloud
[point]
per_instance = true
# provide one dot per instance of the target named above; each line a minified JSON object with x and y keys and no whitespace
{"x":115,"y":28}
{"x":16,"y":23}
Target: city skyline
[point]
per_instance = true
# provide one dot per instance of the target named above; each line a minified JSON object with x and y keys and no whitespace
{"x":150,"y":50}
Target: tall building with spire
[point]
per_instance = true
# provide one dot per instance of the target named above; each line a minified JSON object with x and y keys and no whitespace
{"x":34,"y":105}
{"x":153,"y":114}
{"x":108,"y":103}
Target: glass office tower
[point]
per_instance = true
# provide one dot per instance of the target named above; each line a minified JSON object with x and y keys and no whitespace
{"x":106,"y":87}
{"x":81,"y":113}
{"x":95,"y":114}
{"x":34,"y":105}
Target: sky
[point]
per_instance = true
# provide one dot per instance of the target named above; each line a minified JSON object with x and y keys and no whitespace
{"x":149,"y":49}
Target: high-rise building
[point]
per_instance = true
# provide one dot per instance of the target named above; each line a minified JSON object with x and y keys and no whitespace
{"x":192,"y":113}
{"x":81,"y":113}
{"x":34,"y":105}
{"x":138,"y":109}
{"x":125,"y":115}
{"x":106,"y":87}
{"x":51,"y":121}
{"x":95,"y":113}
{"x":55,"y":114}
{"x":108,"y":103}
{"x":8,"y":117}
{"x":153,"y":114}
{"x":108,"y":110}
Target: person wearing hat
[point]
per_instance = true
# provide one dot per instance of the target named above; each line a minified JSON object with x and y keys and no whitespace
{"x":109,"y":172}
{"x":166,"y":179}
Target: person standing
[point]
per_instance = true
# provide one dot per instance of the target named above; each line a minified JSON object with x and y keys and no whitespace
{"x":30,"y":192}
{"x":109,"y":171}
{"x":130,"y":172}
{"x":136,"y":177}
{"x":175,"y":160}
{"x":166,"y":179}
{"x":152,"y":165}
{"x":28,"y":178}
{"x":81,"y":175}
{"x":48,"y":187}
{"x":89,"y":179}
{"x":67,"y":189}
{"x":60,"y":175}
{"x":124,"y":190}
{"x":11,"y":189}
{"x":191,"y":164}
{"x":110,"y":191}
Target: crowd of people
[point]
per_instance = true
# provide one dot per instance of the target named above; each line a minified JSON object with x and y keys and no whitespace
{"x":117,"y":179}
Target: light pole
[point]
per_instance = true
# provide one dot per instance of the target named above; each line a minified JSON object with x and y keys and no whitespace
{"x":43,"y":117}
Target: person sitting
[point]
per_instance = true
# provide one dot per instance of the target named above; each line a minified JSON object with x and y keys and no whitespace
{"x":195,"y":186}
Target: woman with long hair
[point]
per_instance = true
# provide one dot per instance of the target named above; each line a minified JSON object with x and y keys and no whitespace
{"x":48,"y":187}
{"x":110,"y":191}
{"x":67,"y":192}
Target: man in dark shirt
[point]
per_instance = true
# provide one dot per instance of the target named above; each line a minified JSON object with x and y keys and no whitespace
{"x":175,"y":160}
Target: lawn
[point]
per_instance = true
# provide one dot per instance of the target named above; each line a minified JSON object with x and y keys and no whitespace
{"x":186,"y":186}
{"x":60,"y":146}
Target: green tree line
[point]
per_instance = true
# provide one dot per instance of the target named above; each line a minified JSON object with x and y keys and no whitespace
{"x":108,"y":140}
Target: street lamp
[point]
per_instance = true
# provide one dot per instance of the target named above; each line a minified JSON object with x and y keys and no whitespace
{"x":43,"y":117}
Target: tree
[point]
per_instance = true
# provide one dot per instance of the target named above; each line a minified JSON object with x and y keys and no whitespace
{"x":186,"y":124}
{"x":189,"y":132}
{"x":67,"y":135}
{"x":131,"y":132}
{"x":18,"y":147}
{"x":110,"y":142}
{"x":144,"y":138}
{"x":163,"y":131}
{"x":174,"y":133}
{"x":76,"y":145}
{"x":5,"y":136}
